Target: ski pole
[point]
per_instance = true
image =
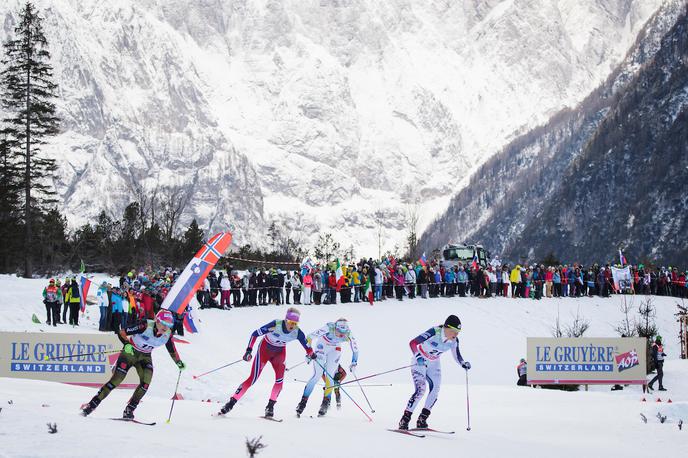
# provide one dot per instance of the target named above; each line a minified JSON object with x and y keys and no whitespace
{"x":468,"y":405}
{"x":295,"y":365}
{"x":343,"y":390}
{"x":82,"y":354}
{"x":364,"y":395}
{"x":336,"y":385}
{"x":174,"y":398}
{"x":217,"y":369}
{"x":376,"y":375}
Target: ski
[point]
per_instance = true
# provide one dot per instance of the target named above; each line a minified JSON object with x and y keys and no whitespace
{"x":407,"y":432}
{"x":278,"y":420}
{"x":643,"y":418}
{"x":430,"y":430}
{"x":133,"y":420}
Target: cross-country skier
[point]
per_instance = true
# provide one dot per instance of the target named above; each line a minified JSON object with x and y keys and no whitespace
{"x":139,"y":341}
{"x":277,"y":334}
{"x":427,"y":349}
{"x":328,"y":350}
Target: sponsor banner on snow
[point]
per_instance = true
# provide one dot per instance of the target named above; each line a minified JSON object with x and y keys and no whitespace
{"x":586,"y":360}
{"x":30,"y":356}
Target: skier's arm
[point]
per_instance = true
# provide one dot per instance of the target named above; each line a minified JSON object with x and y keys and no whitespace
{"x":458,"y":358}
{"x":354,"y":350}
{"x":420,"y":339}
{"x":259,"y":332}
{"x":138,"y":328}
{"x":319,"y":333}
{"x":172,"y":350}
{"x":304,"y":343}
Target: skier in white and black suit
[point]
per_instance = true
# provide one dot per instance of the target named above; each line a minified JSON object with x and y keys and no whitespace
{"x":427,"y":349}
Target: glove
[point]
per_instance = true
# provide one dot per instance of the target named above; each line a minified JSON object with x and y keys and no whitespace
{"x":466,"y":365}
{"x":353,"y":366}
{"x":181,"y":365}
{"x":420,"y":360}
{"x":248,"y":356}
{"x":310,"y":357}
{"x":129,"y":349}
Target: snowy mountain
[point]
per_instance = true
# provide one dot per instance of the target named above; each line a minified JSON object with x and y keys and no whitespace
{"x":596,"y":178}
{"x":315,"y":114}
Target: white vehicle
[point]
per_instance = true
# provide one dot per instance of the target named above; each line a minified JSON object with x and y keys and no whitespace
{"x":452,"y":255}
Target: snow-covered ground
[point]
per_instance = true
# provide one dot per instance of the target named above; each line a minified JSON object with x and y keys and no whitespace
{"x":505,"y":419}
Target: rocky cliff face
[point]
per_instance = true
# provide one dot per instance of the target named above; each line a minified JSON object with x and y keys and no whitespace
{"x":603,"y":176}
{"x":316,"y":114}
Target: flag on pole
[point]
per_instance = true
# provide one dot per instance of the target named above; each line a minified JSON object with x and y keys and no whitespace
{"x":475,"y":259}
{"x":339,"y":276}
{"x":195,"y":272}
{"x":189,"y":325}
{"x":84,"y":285}
{"x":423,"y":260}
{"x":622,"y":258}
{"x":368,"y":290}
{"x":82,"y":268}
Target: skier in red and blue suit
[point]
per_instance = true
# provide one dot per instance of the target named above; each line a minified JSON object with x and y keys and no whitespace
{"x":272,"y":348}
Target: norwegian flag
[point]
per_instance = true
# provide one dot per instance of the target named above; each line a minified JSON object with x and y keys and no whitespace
{"x":195,"y":272}
{"x":84,"y":285}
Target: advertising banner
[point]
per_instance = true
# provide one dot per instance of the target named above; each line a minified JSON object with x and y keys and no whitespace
{"x":586,"y":361}
{"x":29,"y":355}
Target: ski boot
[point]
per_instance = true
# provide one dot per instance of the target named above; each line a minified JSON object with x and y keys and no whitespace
{"x":422,"y":421}
{"x":405,"y":419}
{"x":324,"y":406}
{"x":128,"y":413}
{"x":227,"y":407}
{"x":661,"y":388}
{"x":89,"y":407}
{"x":270,"y":409}
{"x":302,"y":405}
{"x":338,"y":398}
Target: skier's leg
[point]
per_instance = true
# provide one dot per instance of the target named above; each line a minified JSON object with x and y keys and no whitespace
{"x":259,"y":362}
{"x":317,"y":374}
{"x":277,"y":362}
{"x":332,"y":362}
{"x":122,"y":366}
{"x":144,"y":369}
{"x":419,"y":381}
{"x":433,"y":375}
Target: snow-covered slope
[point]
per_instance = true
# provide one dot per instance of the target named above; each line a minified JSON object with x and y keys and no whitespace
{"x":504,"y":418}
{"x":507,"y":204}
{"x":316,"y":114}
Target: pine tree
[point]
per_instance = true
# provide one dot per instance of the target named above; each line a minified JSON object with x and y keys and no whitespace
{"x":27,"y":91}
{"x":9,"y":205}
{"x":192,"y":240}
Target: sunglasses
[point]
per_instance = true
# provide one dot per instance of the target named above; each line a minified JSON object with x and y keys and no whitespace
{"x":454,"y":328}
{"x":292,"y":323}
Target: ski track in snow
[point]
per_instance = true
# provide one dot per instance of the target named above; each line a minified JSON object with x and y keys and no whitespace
{"x":505,"y":419}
